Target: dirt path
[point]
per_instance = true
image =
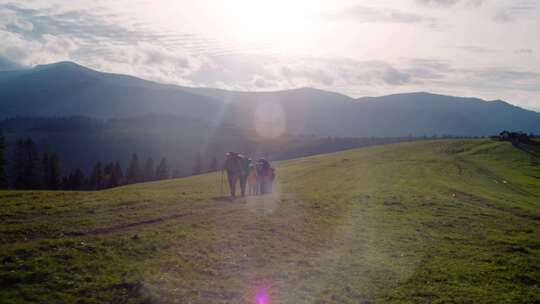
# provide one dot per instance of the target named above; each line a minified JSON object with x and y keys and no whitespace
{"x":116,"y":228}
{"x":222,"y":202}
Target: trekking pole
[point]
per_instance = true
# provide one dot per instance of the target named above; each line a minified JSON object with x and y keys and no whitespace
{"x":217,"y":177}
{"x":221,"y":191}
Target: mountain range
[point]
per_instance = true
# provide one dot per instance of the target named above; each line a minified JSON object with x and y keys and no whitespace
{"x":67,"y":89}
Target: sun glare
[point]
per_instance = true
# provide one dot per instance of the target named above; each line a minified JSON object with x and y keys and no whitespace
{"x":257,"y":21}
{"x":269,"y":120}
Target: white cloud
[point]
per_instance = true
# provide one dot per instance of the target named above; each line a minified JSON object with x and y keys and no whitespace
{"x":366,"y":14}
{"x":518,"y":10}
{"x":9,"y":18}
{"x":524,"y":51}
{"x":450,"y":3}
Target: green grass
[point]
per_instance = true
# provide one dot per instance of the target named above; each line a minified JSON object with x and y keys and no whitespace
{"x":422,"y":222}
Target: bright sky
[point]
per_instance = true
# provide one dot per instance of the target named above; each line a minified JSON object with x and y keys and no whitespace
{"x":483,"y":48}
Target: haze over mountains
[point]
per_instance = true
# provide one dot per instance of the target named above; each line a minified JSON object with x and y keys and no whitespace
{"x":65,"y":89}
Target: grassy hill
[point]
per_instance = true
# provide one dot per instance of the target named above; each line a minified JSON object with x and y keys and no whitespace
{"x":422,"y":222}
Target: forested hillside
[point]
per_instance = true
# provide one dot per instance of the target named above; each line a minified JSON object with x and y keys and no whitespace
{"x":78,"y":148}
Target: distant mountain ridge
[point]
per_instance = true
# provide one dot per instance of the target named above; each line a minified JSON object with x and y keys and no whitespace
{"x":66,"y":88}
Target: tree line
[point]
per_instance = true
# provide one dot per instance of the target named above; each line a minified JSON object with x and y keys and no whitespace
{"x":30,"y":170}
{"x":190,"y":145}
{"x":78,"y":150}
{"x":3,"y":175}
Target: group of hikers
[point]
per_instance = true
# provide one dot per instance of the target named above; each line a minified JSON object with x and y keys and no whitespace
{"x":255,"y":176}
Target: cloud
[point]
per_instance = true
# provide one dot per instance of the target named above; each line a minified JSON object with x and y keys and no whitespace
{"x":439,"y":3}
{"x":17,"y":49}
{"x":235,"y":70}
{"x":393,"y":76}
{"x":10,"y":20}
{"x":257,"y":72}
{"x":359,"y":78}
{"x":450,"y":3}
{"x":259,"y":83}
{"x":505,"y":15}
{"x":519,"y":10}
{"x":93,"y":27}
{"x":366,"y":14}
{"x":102,"y":42}
{"x":524,"y":51}
{"x":431,"y":64}
{"x":328,"y":74}
{"x":310,"y":74}
{"x":508,"y":77}
{"x":476,"y":49}
{"x":146,"y":60}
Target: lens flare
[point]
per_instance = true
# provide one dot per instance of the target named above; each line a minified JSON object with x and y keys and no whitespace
{"x":262,"y":297}
{"x":269,"y":120}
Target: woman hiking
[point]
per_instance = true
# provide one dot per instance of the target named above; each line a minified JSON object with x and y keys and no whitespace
{"x":253,"y":186}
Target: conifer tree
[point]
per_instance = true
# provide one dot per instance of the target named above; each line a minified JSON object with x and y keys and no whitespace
{"x":3,"y":173}
{"x":17,"y":164}
{"x":149,"y":170}
{"x":26,"y":166}
{"x":54,"y":172}
{"x":197,"y":166}
{"x":96,"y":177}
{"x":108,"y":171}
{"x":77,"y":180}
{"x":65,"y":183}
{"x":213,"y":165}
{"x":118,"y":175}
{"x":162,"y":171}
{"x":45,"y":162}
{"x":176,"y":173}
{"x":33,"y":170}
{"x":133,"y":172}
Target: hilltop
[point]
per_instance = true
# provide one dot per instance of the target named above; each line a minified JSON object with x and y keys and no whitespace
{"x":66,"y":88}
{"x":423,"y":222}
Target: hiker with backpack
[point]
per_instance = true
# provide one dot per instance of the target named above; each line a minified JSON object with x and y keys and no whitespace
{"x":265,"y":175}
{"x":271,"y":178}
{"x":237,"y":168}
{"x":258,"y":176}
{"x":253,"y":186}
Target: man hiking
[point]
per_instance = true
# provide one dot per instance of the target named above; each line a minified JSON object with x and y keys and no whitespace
{"x":237,"y":167}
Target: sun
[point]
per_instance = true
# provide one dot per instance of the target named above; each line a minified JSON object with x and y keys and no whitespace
{"x":255,"y":20}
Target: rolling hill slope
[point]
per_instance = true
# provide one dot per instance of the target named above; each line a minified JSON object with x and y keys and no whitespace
{"x":423,"y":222}
{"x":65,"y":88}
